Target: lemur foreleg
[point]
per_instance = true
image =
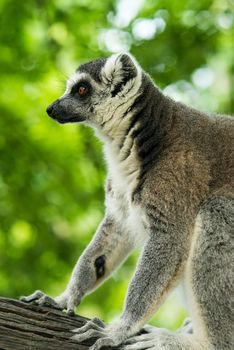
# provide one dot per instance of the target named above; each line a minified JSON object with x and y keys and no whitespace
{"x":153,"y":279}
{"x":108,"y":248}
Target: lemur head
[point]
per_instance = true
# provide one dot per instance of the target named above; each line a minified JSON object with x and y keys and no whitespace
{"x":99,"y":93}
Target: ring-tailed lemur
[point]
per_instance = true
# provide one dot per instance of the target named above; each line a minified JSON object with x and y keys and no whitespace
{"x":170,"y":190}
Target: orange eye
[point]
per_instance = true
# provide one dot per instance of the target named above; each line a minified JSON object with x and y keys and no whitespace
{"x":82,"y":90}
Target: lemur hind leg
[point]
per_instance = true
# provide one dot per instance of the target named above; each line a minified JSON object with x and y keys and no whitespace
{"x":210,"y":285}
{"x":211,"y":272}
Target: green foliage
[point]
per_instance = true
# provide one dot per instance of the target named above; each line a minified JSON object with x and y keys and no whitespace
{"x":51,"y":176}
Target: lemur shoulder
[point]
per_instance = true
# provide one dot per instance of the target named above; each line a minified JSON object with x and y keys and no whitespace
{"x":170,"y":191}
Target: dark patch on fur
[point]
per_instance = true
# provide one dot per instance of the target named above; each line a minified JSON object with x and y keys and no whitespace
{"x":93,"y":68}
{"x":100,"y":266}
{"x":109,"y":185}
{"x":118,"y":88}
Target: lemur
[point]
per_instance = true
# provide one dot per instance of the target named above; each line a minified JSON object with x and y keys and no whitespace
{"x":169,"y":191}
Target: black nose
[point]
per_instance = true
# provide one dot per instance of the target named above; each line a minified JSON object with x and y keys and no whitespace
{"x":49,"y":109}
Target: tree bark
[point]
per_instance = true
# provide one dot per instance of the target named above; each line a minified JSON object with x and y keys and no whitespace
{"x":30,"y":327}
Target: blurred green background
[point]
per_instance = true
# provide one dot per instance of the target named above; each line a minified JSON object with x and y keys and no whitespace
{"x":51,"y":176}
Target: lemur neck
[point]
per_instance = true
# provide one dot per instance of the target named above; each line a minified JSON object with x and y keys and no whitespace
{"x":139,"y":145}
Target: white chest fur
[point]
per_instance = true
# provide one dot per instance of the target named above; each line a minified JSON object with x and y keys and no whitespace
{"x":131,"y":217}
{"x":124,"y":170}
{"x":124,"y":177}
{"x":135,"y":224}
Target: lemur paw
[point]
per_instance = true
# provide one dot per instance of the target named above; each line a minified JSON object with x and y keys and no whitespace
{"x":154,"y":339}
{"x":40,"y":298}
{"x":112,"y":335}
{"x":163,"y":339}
{"x":64,"y":301}
{"x":187,"y":327}
{"x":143,"y":341}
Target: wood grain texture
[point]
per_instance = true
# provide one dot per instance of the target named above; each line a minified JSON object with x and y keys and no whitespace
{"x":30,"y":327}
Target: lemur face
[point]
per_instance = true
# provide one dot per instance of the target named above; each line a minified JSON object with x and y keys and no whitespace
{"x":97,"y":90}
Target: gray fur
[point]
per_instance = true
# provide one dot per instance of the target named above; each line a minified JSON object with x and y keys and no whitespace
{"x":93,"y":68}
{"x":170,"y":190}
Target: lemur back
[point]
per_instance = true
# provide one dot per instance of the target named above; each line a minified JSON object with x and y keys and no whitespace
{"x":169,"y":191}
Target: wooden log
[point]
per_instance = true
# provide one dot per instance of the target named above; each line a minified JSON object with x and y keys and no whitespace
{"x":30,"y":327}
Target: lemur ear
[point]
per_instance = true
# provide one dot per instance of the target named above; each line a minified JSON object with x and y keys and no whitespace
{"x":119,"y":69}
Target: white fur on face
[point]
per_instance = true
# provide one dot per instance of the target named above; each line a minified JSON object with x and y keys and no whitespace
{"x":108,"y":110}
{"x":78,"y":77}
{"x":112,"y":116}
{"x":74,"y":80}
